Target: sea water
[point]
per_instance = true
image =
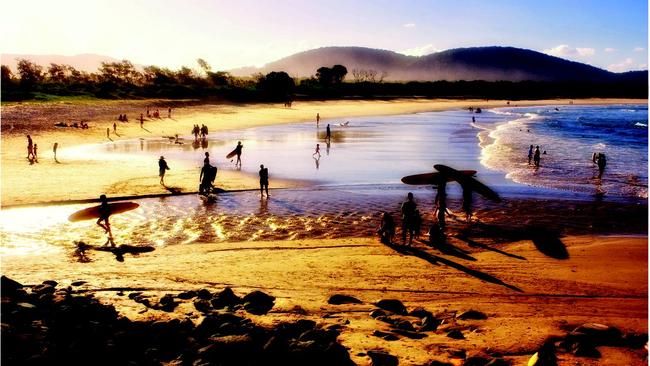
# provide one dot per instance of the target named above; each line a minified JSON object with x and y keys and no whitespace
{"x":570,"y":135}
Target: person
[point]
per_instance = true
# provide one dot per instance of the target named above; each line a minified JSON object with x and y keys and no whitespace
{"x":207,"y":176}
{"x":441,"y":202}
{"x":104,"y":214}
{"x":169,"y":113}
{"x":408,"y":218}
{"x":108,"y":132}
{"x":148,"y":113}
{"x":114,"y":128}
{"x":238,"y":153}
{"x":602,"y":162}
{"x":207,"y":158}
{"x":30,"y":148}
{"x":328,"y":133}
{"x":386,"y":229}
{"x":56,"y":146}
{"x":317,"y":119}
{"x":317,"y":152}
{"x":473,"y":119}
{"x":530,"y":154}
{"x":162,"y":167}
{"x":467,"y":203}
{"x":35,"y":153}
{"x":594,"y":158}
{"x":264,"y":180}
{"x":536,"y":156}
{"x":141,"y":120}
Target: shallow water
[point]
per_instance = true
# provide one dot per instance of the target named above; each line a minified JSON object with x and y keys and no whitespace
{"x":354,"y":179}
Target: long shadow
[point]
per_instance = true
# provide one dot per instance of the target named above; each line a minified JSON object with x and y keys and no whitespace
{"x":473,"y":243}
{"x":546,"y":241}
{"x":434,"y":259}
{"x":449,"y":249}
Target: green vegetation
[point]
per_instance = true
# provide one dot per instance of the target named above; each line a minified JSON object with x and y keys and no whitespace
{"x":121,"y":80}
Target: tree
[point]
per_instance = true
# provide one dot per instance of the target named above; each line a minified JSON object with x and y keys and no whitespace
{"x":338,"y":73}
{"x":57,"y":73}
{"x":7,"y":75}
{"x":277,"y":85}
{"x":220,"y":78}
{"x":204,"y":65}
{"x":324,"y":75}
{"x":30,"y":73}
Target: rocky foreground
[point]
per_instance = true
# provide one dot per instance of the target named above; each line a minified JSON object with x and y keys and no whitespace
{"x":45,"y":325}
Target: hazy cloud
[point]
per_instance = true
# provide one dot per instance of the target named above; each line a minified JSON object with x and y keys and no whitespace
{"x":609,"y":49}
{"x":626,"y":65}
{"x":564,"y":50}
{"x":408,"y":25}
{"x":639,"y":49}
{"x":420,"y":51}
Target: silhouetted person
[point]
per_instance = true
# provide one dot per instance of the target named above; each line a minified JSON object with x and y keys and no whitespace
{"x":104,"y":214}
{"x":141,"y":121}
{"x":408,"y":218}
{"x":30,"y":148}
{"x":441,"y":202}
{"x":536,"y":156}
{"x":207,"y":176}
{"x":328,"y":133}
{"x":264,"y":180}
{"x":207,"y":158}
{"x":162,"y":168}
{"x":467,"y":203}
{"x":114,"y":128}
{"x":35,"y":153}
{"x":602,"y":162}
{"x":530,"y":154}
{"x":317,"y":119}
{"x":386,"y":229}
{"x":238,"y":149}
{"x":169,"y":113}
{"x":317,"y":152}
{"x":473,"y":119}
{"x":108,"y":132}
{"x":56,"y":146}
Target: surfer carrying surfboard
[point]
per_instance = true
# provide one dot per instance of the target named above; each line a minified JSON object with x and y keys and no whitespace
{"x":238,"y":153}
{"x":104,"y":214}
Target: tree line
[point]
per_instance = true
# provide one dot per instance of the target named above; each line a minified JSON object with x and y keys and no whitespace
{"x":115,"y":80}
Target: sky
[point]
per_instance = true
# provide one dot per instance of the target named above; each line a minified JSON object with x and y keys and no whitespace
{"x":228,"y":34}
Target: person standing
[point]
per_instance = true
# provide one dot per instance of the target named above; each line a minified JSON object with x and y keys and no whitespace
{"x":238,"y":153}
{"x":162,"y":168}
{"x":56,"y":146}
{"x":530,"y":154}
{"x":317,"y":119}
{"x":328,"y":133}
{"x":114,"y":128}
{"x":467,"y":203}
{"x":35,"y":153}
{"x":207,"y":158}
{"x":408,"y":218}
{"x":264,"y":181}
{"x":536,"y":156}
{"x":169,"y":113}
{"x":602,"y":162}
{"x":30,"y":148}
{"x":141,"y":120}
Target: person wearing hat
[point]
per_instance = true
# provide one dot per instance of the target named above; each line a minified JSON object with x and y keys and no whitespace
{"x":162,"y":166}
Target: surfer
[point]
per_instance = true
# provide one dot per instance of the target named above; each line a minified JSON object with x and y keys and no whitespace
{"x":328,"y":133}
{"x":104,"y":214}
{"x":207,"y":176}
{"x":386,"y":229}
{"x":238,"y":153}
{"x":162,"y":167}
{"x":530,"y":154}
{"x":264,"y":180}
{"x":408,"y":218}
{"x":602,"y":162}
{"x":536,"y":156}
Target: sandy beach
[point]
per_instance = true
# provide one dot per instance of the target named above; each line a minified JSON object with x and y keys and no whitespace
{"x":535,"y":268}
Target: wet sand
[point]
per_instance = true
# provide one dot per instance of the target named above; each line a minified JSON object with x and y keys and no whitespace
{"x":535,"y":267}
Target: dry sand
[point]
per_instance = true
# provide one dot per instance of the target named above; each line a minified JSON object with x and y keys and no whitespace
{"x":526,"y":294}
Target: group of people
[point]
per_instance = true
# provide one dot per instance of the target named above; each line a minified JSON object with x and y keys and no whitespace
{"x":32,"y":150}
{"x":82,"y":125}
{"x":200,"y":131}
{"x":534,"y":156}
{"x":123,"y":118}
{"x":156,"y":113}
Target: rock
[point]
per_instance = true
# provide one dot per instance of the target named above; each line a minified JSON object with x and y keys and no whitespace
{"x":43,"y":289}
{"x":77,"y":283}
{"x":9,"y":286}
{"x":392,"y":305}
{"x":476,"y":361}
{"x":385,"y":335}
{"x":225,"y":298}
{"x":410,"y":334}
{"x":597,"y":334}
{"x":319,"y":335}
{"x":166,"y":303}
{"x":258,"y":303}
{"x":420,"y":313}
{"x":51,"y":283}
{"x":380,"y":358}
{"x":585,"y":349}
{"x":634,"y":340}
{"x":339,"y":299}
{"x":186,"y":295}
{"x":204,"y":294}
{"x":404,"y":325}
{"x":498,"y":362}
{"x":471,"y":315}
{"x":202,"y":305}
{"x":429,"y":323}
{"x":455,"y":334}
{"x":439,"y":363}
{"x":376,"y":313}
{"x":545,"y":356}
{"x":297,"y":309}
{"x":133,"y":295}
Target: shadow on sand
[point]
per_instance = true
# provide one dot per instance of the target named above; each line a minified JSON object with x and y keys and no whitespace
{"x":437,"y":260}
{"x":546,"y":241}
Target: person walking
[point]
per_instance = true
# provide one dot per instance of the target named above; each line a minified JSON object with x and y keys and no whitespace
{"x":162,"y":168}
{"x":537,"y":156}
{"x":264,"y":181}
{"x":56,"y":146}
{"x":30,"y":148}
{"x":530,"y":154}
{"x":328,"y":133}
{"x":408,"y":218}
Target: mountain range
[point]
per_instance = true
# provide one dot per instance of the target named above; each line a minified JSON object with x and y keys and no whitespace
{"x":475,"y":63}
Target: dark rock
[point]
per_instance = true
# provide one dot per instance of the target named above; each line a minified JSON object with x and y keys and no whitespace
{"x":297,"y":309}
{"x":51,"y":283}
{"x":167,"y":303}
{"x":186,"y":295}
{"x":376,"y":313}
{"x":9,"y":286}
{"x":319,"y":335}
{"x":78,"y":283}
{"x":410,"y":334}
{"x":634,"y":340}
{"x":43,"y":289}
{"x":476,"y":361}
{"x":545,"y":356}
{"x":212,"y":323}
{"x":204,"y":294}
{"x":380,"y":358}
{"x":498,"y":362}
{"x":455,"y":334}
{"x":258,"y":303}
{"x":429,"y":323}
{"x":225,"y":298}
{"x":404,"y":325}
{"x":471,"y":315}
{"x":385,"y":335}
{"x":202,"y":305}
{"x":439,"y":363}
{"x":420,"y":313}
{"x":392,"y":305}
{"x":339,"y":299}
{"x":585,"y":349}
{"x":133,"y":295}
{"x":597,"y":334}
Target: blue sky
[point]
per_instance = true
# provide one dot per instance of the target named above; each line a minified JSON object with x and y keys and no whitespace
{"x":608,"y":34}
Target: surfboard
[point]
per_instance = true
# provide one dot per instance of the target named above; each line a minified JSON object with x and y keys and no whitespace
{"x":468,"y":182}
{"x":231,"y":154}
{"x":119,"y":249}
{"x":93,"y":212}
{"x":433,"y":178}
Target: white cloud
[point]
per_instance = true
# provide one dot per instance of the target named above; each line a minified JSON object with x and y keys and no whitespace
{"x":420,"y":51}
{"x":564,"y":50}
{"x":408,"y":25}
{"x":625,"y":65}
{"x":639,"y":49}
{"x":609,"y":49}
